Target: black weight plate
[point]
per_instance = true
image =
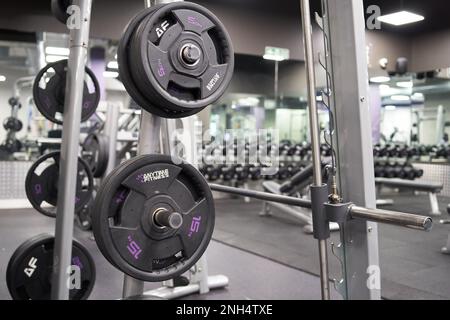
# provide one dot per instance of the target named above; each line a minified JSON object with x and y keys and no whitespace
{"x":157,"y":46}
{"x":41,"y":185}
{"x":29,"y":271}
{"x":95,"y":152}
{"x":49,"y":92}
{"x":59,"y":9}
{"x":122,"y":217}
{"x":124,"y":61}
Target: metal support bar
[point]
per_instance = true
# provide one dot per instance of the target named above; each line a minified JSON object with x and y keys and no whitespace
{"x":69,"y":152}
{"x":434,"y":204}
{"x":315,"y":140}
{"x":111,"y":128}
{"x":149,"y":143}
{"x":407,"y":220}
{"x":265,"y":196}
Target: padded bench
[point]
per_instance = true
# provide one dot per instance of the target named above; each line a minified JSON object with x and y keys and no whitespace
{"x":433,"y":188}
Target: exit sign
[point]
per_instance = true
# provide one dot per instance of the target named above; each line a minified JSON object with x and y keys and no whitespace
{"x":277,"y":54}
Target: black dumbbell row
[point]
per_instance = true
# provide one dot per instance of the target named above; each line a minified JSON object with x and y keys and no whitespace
{"x":396,"y":170}
{"x":243,"y":173}
{"x":285,"y":148}
{"x":408,"y":152}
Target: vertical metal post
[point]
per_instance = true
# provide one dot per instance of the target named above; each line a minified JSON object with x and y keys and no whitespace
{"x":315,"y":135}
{"x":346,"y":25}
{"x":111,"y":129}
{"x":153,"y":138}
{"x":69,"y":152}
{"x":275,"y":83}
{"x":440,"y":124}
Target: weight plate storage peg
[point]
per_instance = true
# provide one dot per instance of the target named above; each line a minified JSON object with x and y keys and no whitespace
{"x":59,"y":9}
{"x":29,"y":271}
{"x":175,"y":59}
{"x":95,"y":152}
{"x":41,"y":184}
{"x":153,"y":219}
{"x":49,"y":92}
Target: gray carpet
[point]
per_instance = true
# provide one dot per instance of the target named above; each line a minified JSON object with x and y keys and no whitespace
{"x":250,"y":276}
{"x":412,"y":266}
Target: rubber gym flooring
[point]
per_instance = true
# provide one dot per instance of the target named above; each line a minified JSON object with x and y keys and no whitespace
{"x":250,"y":276}
{"x":271,"y":257}
{"x":412,"y":266}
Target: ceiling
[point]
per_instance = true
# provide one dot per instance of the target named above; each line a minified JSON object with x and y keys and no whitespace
{"x":435,"y":11}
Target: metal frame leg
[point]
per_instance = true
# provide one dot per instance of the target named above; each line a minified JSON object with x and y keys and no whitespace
{"x":265,"y":211}
{"x":434,"y":204}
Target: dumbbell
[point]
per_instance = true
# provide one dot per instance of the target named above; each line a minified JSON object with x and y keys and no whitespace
{"x":283,"y":172}
{"x":211,"y":173}
{"x":325,"y":150}
{"x":241,"y":173}
{"x":254,"y":172}
{"x":226,"y":173}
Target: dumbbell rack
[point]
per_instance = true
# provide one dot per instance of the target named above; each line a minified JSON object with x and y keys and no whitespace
{"x":78,"y":45}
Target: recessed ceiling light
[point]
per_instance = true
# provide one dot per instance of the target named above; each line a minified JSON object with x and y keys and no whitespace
{"x":401,"y":18}
{"x":405,"y":84}
{"x":380,"y":79}
{"x":2,"y":78}
{"x":110,"y":74}
{"x":57,"y":51}
{"x":113,"y":65}
{"x":390,"y":108}
{"x":400,"y":98}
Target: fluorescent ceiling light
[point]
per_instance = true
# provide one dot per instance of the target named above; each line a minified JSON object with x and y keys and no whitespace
{"x":380,"y":79}
{"x":113,"y":65}
{"x":400,"y":98}
{"x":405,"y":84}
{"x":319,"y":98}
{"x":110,"y":74}
{"x":273,"y":57}
{"x":50,"y":59}
{"x":2,"y":78}
{"x":57,"y":51}
{"x":400,"y":18}
{"x":390,"y":108}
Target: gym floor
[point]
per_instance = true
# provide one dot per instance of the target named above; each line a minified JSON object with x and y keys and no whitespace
{"x":271,"y":257}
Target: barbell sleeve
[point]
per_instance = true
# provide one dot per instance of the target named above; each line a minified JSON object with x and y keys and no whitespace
{"x":403,"y":219}
{"x":407,"y":220}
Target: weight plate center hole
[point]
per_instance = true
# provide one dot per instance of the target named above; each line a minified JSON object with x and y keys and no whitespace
{"x":190,"y":54}
{"x":162,"y":218}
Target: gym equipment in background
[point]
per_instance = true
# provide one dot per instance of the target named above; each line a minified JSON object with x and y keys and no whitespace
{"x":175,"y":59}
{"x":41,"y":184}
{"x":49,"y":92}
{"x":30,"y":269}
{"x":95,"y":152}
{"x":12,"y":125}
{"x":153,"y":219}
